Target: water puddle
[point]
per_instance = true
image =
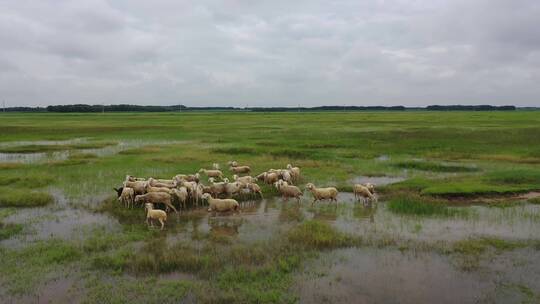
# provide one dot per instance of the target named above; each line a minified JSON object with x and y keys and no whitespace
{"x":369,"y":275}
{"x":377,"y":180}
{"x":57,"y":221}
{"x":518,"y":222}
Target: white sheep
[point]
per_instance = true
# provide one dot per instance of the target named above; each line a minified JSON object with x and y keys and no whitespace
{"x":212,"y":173}
{"x":182,"y":195}
{"x":156,"y":198}
{"x":363,"y":193}
{"x":244,"y":179}
{"x":233,"y":188}
{"x":127,"y":197}
{"x":371,"y":187}
{"x":215,"y":166}
{"x":271,"y":177}
{"x":240,"y":169}
{"x":138,"y":186}
{"x":155,"y":214}
{"x":295,"y":172}
{"x":232,"y":163}
{"x":288,"y":190}
{"x":322,"y":193}
{"x":254,"y":188}
{"x":221,"y":205}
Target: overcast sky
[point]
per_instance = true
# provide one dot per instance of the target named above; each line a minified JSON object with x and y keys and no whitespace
{"x":276,"y":53}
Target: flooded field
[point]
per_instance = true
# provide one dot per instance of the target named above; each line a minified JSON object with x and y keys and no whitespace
{"x":455,"y":221}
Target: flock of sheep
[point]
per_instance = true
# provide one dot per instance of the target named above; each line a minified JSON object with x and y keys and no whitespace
{"x":187,"y":190}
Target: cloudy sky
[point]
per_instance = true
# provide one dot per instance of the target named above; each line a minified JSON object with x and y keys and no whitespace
{"x":276,"y":53}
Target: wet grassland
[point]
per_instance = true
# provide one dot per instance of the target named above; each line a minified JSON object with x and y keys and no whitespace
{"x":458,"y":217}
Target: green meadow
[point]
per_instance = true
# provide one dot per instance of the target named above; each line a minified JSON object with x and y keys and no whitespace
{"x":439,"y":176}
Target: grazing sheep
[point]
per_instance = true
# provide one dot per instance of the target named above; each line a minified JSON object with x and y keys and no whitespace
{"x":216,"y":189}
{"x":254,"y":188}
{"x":225,"y":180}
{"x":154,"y":183}
{"x":211,"y":180}
{"x":232,"y":163}
{"x":322,"y":193}
{"x":131,"y":178}
{"x":155,"y":214}
{"x":221,"y":205}
{"x":139,"y":186}
{"x":244,"y":179}
{"x":212,"y":173}
{"x":362,"y":192}
{"x":371,"y":187}
{"x":233,"y":188}
{"x":182,"y":195}
{"x":295,"y":172}
{"x":127,"y":196}
{"x":286,"y":176}
{"x":260,"y":177}
{"x":193,"y":177}
{"x":271,"y":177}
{"x":215,"y":166}
{"x":240,"y":169}
{"x":155,"y":198}
{"x":288,"y":190}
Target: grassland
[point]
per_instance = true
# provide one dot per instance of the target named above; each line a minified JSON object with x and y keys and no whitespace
{"x":445,"y":158}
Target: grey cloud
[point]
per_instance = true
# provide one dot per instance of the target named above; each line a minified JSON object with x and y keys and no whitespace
{"x":270,"y":53}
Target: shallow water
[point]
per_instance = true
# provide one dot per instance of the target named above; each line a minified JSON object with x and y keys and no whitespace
{"x":264,"y":219}
{"x":369,"y":275}
{"x":57,"y":221}
{"x":377,"y":180}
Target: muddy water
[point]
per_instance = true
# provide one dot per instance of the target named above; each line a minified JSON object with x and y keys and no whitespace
{"x":262,"y":220}
{"x":58,"y":221}
{"x":384,"y":276}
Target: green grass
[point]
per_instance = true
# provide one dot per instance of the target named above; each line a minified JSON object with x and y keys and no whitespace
{"x":24,"y":268}
{"x":9,"y":230}
{"x":34,"y":179}
{"x":470,"y":188}
{"x":515,"y":176}
{"x":416,"y":205}
{"x":320,"y":235}
{"x":535,"y":201}
{"x":10,"y":197}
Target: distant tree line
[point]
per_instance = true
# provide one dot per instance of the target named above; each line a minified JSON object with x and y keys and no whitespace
{"x":470,"y":108}
{"x":24,"y":109}
{"x":84,"y":108}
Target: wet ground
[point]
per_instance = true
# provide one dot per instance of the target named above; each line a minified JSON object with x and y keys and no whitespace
{"x":369,"y":275}
{"x":356,"y":275}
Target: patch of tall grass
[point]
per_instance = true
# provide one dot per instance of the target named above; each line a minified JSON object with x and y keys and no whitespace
{"x":417,"y":205}
{"x":320,"y":235}
{"x":13,"y":197}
